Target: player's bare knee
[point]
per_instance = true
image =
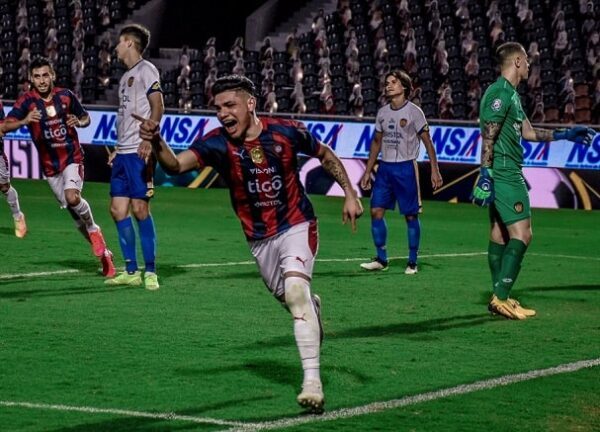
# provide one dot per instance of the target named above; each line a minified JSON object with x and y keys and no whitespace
{"x":140,"y":209}
{"x":377,"y":213}
{"x":72,"y":197}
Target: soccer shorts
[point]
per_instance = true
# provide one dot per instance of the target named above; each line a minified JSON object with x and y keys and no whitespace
{"x":4,"y":169}
{"x":511,"y":202}
{"x":291,"y":251}
{"x":69,"y":178}
{"x":132,"y":177}
{"x":397,"y":182}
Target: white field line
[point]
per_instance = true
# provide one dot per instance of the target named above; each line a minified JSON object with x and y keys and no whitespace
{"x":449,"y":255}
{"x":231,"y":264}
{"x":37,"y":274}
{"x":374,"y":407}
{"x":423,"y":397}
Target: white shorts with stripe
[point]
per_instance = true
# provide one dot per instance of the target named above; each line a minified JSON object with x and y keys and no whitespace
{"x":4,"y":169}
{"x":70,"y":178}
{"x":294,"y":250}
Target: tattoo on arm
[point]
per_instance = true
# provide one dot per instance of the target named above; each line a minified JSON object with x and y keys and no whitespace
{"x":543,"y":134}
{"x":490,"y":133}
{"x":335,"y":168}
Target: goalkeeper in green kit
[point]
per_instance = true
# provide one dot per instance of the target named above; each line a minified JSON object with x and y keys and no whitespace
{"x":501,"y":184}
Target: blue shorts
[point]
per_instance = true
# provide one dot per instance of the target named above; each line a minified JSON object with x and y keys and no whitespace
{"x":397,"y":182}
{"x":131,"y":177}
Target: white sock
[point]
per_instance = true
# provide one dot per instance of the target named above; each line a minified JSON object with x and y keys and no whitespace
{"x":12,"y":198}
{"x":84,"y":212}
{"x":306,"y":325}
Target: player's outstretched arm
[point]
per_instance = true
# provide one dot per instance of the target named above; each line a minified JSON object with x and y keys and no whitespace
{"x":353,"y":208}
{"x":173,"y":164}
{"x":577,"y":134}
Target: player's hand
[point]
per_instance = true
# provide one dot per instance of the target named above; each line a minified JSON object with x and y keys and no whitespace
{"x":149,"y":129}
{"x":483,"y":192}
{"x":73,"y":120}
{"x":365,"y":181}
{"x":353,"y":209}
{"x":144,"y":150}
{"x":111,"y":157}
{"x":33,"y":116}
{"x":577,"y":134}
{"x":436,"y":178}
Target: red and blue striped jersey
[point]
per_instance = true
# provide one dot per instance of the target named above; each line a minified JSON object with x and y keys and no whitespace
{"x":57,"y":144}
{"x":262,"y":175}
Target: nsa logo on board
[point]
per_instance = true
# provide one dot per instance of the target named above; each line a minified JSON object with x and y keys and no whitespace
{"x":496,"y":105}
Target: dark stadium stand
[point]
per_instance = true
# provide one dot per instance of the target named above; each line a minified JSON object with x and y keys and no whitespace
{"x":338,"y":66}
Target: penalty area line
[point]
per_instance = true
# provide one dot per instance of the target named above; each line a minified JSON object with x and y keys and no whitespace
{"x":376,"y":407}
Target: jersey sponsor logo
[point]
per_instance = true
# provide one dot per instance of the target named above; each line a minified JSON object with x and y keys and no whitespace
{"x":496,"y":105}
{"x":56,"y":133}
{"x":257,"y":155}
{"x":130,"y":81}
{"x":270,"y":188}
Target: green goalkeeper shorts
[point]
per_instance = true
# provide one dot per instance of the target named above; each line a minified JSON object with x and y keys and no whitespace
{"x":511,"y":202}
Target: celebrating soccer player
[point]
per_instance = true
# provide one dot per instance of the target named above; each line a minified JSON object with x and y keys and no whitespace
{"x":257,"y":157}
{"x":51,"y":114}
{"x":501,"y":184}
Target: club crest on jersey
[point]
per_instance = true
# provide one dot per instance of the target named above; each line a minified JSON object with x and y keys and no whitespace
{"x":403,"y":122}
{"x":496,"y":105}
{"x":51,"y":111}
{"x":257,"y":155}
{"x":130,"y":81}
{"x":519,"y":207}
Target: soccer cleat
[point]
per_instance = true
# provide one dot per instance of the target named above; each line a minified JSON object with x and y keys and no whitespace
{"x":98,"y":243}
{"x":108,"y":267}
{"x":524,"y":311}
{"x":20,"y":226}
{"x":376,"y":264}
{"x":311,"y":397}
{"x":317,"y":302}
{"x":134,"y":279}
{"x":411,"y":268}
{"x":505,"y":308}
{"x":151,"y":281}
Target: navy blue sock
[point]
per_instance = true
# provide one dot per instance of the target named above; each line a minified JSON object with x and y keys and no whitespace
{"x":379,"y":231}
{"x":414,"y":237}
{"x":148,"y":240}
{"x":127,"y":242}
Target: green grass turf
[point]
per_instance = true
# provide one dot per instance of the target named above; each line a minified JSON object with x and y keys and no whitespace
{"x":212,"y":343}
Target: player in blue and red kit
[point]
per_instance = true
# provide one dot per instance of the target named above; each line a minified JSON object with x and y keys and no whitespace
{"x":257,"y":157}
{"x":51,"y":114}
{"x":12,"y":197}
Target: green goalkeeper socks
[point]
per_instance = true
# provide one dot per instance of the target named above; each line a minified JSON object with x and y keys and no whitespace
{"x":495,"y":252}
{"x":511,"y":264}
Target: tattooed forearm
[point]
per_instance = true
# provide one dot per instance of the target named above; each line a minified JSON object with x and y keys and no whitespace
{"x":335,"y":168}
{"x":542,"y":134}
{"x":489,"y":134}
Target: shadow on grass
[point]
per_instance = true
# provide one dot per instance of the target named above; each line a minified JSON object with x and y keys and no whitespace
{"x":130,"y":424}
{"x":391,"y":330}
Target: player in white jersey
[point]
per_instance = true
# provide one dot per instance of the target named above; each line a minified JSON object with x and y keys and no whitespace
{"x":131,"y":183}
{"x":399,"y":127}
{"x":12,"y":197}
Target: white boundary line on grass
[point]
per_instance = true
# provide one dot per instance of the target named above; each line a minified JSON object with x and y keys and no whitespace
{"x":371,"y":408}
{"x":231,"y":264}
{"x":37,"y":274}
{"x":423,"y":397}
